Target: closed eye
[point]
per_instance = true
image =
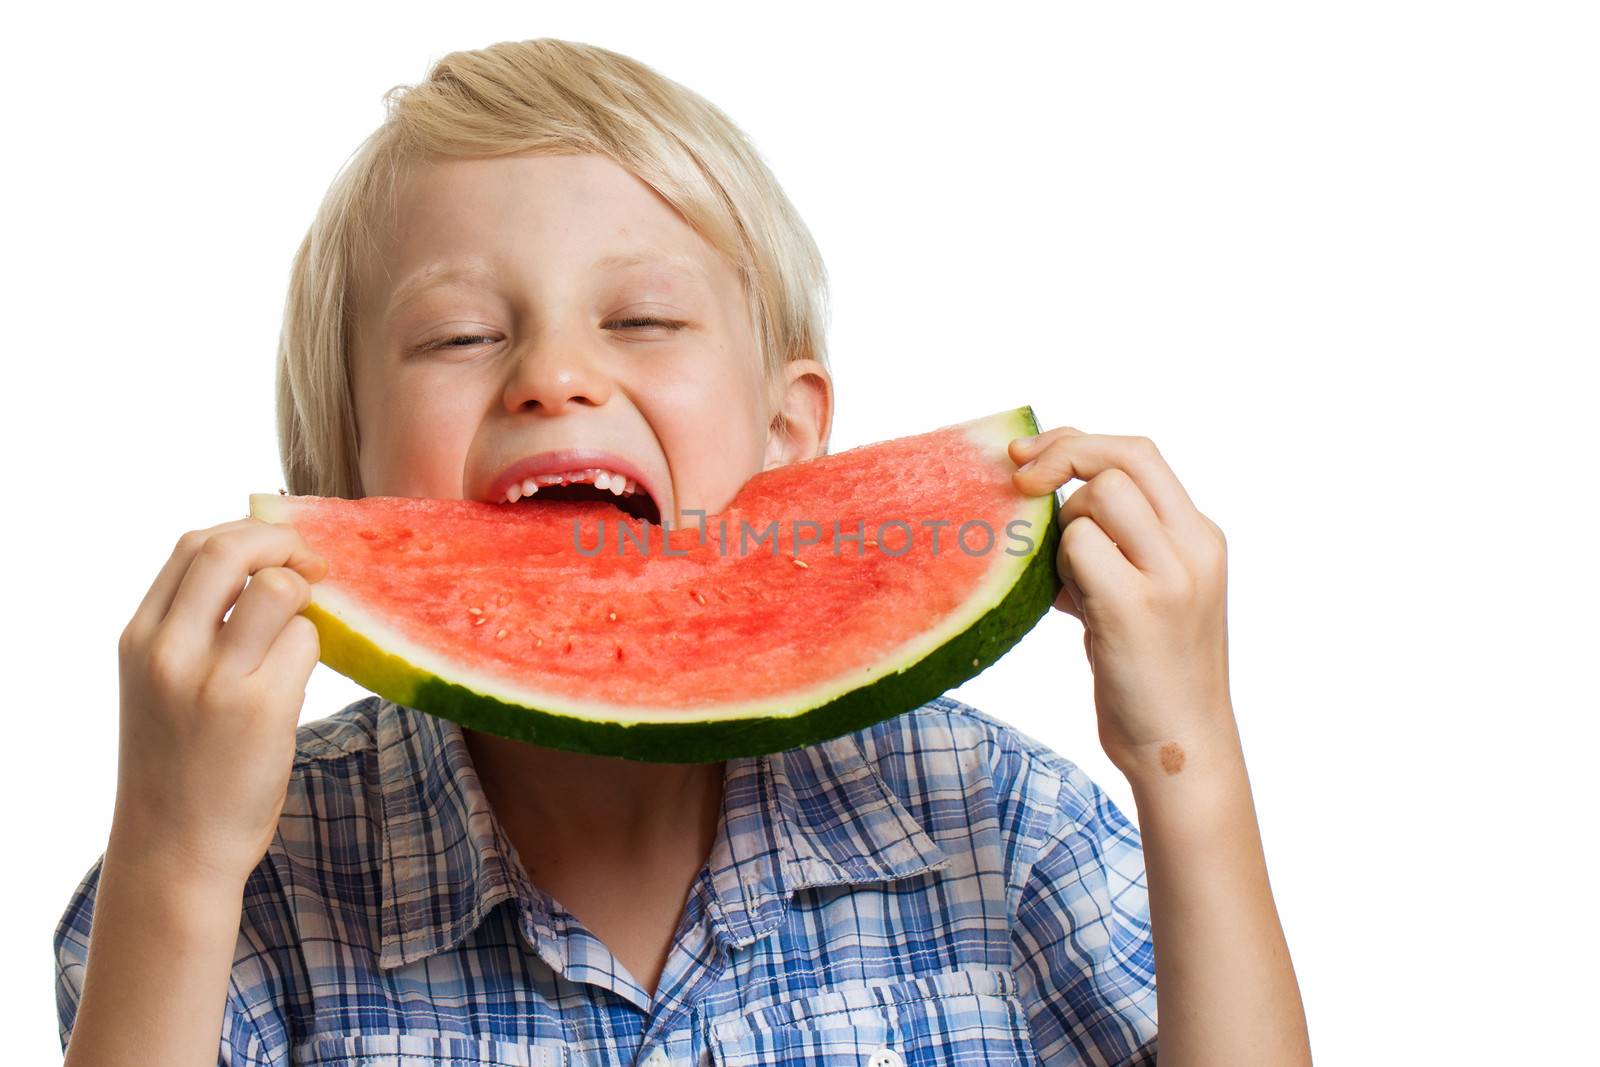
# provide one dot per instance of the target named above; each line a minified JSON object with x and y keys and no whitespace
{"x":467,"y":340}
{"x":458,"y":341}
{"x":666,"y":323}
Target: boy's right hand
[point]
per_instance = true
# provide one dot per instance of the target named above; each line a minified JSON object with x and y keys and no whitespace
{"x":210,"y":707}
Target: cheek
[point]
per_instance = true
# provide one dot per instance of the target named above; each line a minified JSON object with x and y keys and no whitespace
{"x":712,"y":424}
{"x":719,"y":392}
{"x":415,"y":438}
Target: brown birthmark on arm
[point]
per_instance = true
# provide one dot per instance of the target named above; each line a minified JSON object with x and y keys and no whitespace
{"x":1171,"y":757}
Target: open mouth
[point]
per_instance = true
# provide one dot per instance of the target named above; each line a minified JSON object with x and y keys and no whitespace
{"x":603,"y":486}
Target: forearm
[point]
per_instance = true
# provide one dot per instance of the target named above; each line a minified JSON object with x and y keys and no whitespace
{"x":160,"y":954}
{"x":1225,"y":986}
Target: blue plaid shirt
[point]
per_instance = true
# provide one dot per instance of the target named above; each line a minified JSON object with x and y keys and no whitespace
{"x":935,"y":888}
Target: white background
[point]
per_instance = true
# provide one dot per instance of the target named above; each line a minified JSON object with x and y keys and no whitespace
{"x":1340,"y":264}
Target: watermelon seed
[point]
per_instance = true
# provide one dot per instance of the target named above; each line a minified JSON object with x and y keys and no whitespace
{"x":538,"y":641}
{"x":503,"y":599}
{"x":798,"y":562}
{"x":619,"y":653}
{"x":499,"y":635}
{"x":974,"y":661}
{"x":479,"y":621}
{"x":424,"y":545}
{"x":612,"y":616}
{"x":475,"y":611}
{"x":403,"y":534}
{"x":871,"y":543}
{"x":700,"y":598}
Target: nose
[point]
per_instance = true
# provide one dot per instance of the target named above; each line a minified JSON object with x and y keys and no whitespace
{"x":553,"y":376}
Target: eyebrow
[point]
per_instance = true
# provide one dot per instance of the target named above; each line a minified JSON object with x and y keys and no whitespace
{"x":433,"y":277}
{"x":649,"y":258}
{"x":472,"y":273}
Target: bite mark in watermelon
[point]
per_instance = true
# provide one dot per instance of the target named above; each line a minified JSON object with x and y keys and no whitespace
{"x":704,"y":645}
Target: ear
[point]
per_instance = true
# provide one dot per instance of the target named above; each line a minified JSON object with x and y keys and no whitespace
{"x":804,"y":418}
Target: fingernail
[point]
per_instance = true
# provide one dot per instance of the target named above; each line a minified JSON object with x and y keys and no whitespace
{"x":1025,"y":466}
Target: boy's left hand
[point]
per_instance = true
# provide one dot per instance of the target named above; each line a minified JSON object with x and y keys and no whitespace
{"x":1146,"y":574}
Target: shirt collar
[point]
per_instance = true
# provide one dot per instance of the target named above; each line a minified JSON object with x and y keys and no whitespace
{"x":811,"y":816}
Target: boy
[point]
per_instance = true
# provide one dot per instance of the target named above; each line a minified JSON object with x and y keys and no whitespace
{"x":548,"y":251}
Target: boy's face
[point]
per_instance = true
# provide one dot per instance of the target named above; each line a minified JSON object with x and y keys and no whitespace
{"x":494,"y":329}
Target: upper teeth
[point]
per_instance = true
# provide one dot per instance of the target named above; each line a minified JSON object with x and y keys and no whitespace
{"x":601,"y":478}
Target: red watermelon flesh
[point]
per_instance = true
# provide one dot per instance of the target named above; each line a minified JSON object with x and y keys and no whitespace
{"x":574,"y":625}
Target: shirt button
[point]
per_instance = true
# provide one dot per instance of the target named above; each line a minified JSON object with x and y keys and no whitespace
{"x":886,"y":1057}
{"x":657,"y":1057}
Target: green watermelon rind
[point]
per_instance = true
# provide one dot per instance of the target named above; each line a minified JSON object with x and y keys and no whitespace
{"x":690,"y":740}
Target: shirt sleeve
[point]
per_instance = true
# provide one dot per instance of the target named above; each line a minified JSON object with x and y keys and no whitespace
{"x":1084,"y":957}
{"x":239,"y":1040}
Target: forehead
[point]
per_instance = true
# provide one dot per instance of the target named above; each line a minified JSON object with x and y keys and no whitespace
{"x":563,"y":217}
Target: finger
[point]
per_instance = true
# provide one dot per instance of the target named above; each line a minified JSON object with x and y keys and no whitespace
{"x":1087,"y":557}
{"x":1070,"y":599}
{"x":293,"y":655}
{"x":273,"y":597}
{"x":1115,"y":503}
{"x":1023,"y":449}
{"x":219,"y":571}
{"x":158,"y":598}
{"x":1085,"y":455}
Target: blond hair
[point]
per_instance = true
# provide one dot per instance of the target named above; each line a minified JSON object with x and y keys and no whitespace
{"x":549,"y":97}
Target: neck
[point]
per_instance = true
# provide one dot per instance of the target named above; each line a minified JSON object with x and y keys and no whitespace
{"x":574,"y":801}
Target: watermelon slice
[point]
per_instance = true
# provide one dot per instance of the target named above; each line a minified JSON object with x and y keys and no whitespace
{"x":829,"y":595}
